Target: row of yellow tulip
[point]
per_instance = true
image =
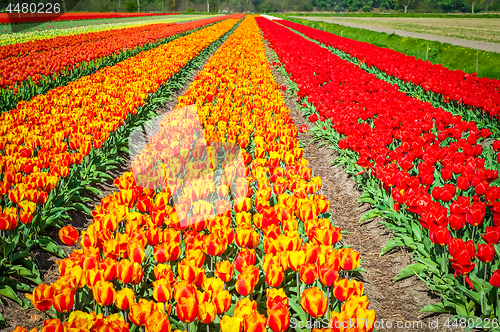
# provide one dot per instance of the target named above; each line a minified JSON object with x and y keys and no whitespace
{"x":55,"y":130}
{"x":146,"y":242}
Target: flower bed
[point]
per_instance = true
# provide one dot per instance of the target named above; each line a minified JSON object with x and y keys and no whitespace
{"x":424,"y":170}
{"x":42,"y":17}
{"x":43,"y":195}
{"x":457,"y":85}
{"x":69,"y":69}
{"x":203,"y":255}
{"x":36,"y":59}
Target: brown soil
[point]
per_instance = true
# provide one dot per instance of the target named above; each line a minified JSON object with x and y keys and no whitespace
{"x":394,"y":303}
{"x":29,"y":318}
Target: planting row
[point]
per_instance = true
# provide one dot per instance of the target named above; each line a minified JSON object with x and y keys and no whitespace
{"x":457,"y":85}
{"x":42,"y":138}
{"x":59,"y":136}
{"x":60,"y":42}
{"x":16,"y":17}
{"x":66,"y":28}
{"x":49,"y":57}
{"x":226,"y":208}
{"x":61,"y":75}
{"x":429,"y":166}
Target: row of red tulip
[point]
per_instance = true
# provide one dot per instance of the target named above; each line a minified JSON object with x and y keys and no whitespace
{"x":431,"y":163}
{"x":457,"y":85}
{"x":73,"y":50}
{"x":141,"y":239}
{"x":43,"y":137}
{"x":42,"y":17}
{"x":52,"y":44}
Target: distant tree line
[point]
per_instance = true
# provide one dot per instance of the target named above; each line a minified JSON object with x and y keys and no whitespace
{"x":270,"y":6}
{"x":273,"y":6}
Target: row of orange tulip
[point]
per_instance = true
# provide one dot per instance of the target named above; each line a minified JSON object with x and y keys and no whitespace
{"x":54,"y":60}
{"x":58,"y":129}
{"x":159,"y":243}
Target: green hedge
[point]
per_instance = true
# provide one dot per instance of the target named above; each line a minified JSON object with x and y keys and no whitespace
{"x":450,"y":56}
{"x":459,"y":15}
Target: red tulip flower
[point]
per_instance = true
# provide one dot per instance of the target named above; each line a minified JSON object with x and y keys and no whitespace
{"x":492,"y":235}
{"x":485,"y":253}
{"x":439,"y":235}
{"x":495,"y":279}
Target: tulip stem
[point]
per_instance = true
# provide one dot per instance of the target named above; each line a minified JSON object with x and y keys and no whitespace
{"x":125,"y":316}
{"x":497,"y":299}
{"x":187,"y":327}
{"x":298,"y":288}
{"x":445,"y":261}
{"x":208,"y":329}
{"x":212,"y":265}
{"x":484,"y":276}
{"x":106,"y":310}
{"x":473,"y":232}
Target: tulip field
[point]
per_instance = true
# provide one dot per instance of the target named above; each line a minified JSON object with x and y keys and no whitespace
{"x":219,"y":222}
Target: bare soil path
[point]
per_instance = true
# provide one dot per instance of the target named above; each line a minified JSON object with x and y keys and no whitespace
{"x":432,"y":34}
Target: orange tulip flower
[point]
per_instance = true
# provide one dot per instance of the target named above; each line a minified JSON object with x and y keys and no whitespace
{"x":92,"y":276}
{"x":64,"y":300}
{"x":224,"y":270}
{"x":68,"y":235}
{"x":184,"y":288}
{"x":164,"y":271}
{"x":141,"y":311}
{"x":276,"y":298}
{"x":245,"y":283}
{"x":125,"y":298}
{"x":42,"y":297}
{"x":109,"y":268}
{"x":244,"y":258}
{"x":222,"y":301}
{"x":162,"y":290}
{"x":104,"y":293}
{"x":314,"y":302}
{"x":274,"y":276}
{"x":135,"y":252}
{"x":158,"y":322}
{"x":187,"y":309}
{"x":231,"y":324}
{"x":255,"y":322}
{"x":278,"y":319}
{"x":247,"y":238}
{"x":214,"y":245}
{"x":296,"y":259}
{"x":206,"y":312}
{"x":327,"y":274}
{"x":308,"y":273}
{"x":349,"y":259}
{"x":52,"y":325}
